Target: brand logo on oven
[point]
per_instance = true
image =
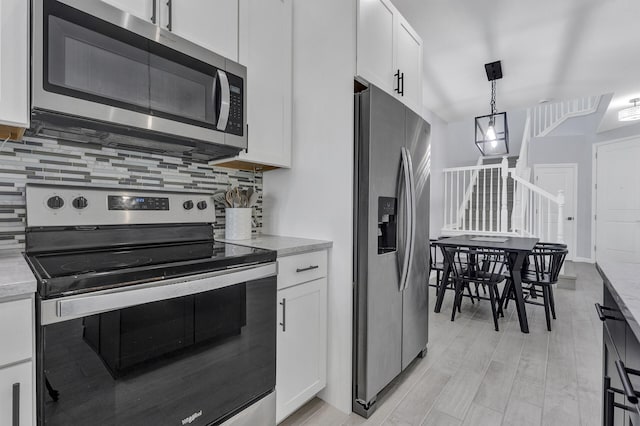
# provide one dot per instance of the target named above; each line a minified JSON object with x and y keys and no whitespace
{"x":191,"y":418}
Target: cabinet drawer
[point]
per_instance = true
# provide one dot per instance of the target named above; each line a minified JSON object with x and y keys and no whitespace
{"x":301,"y":268}
{"x":16,"y":395}
{"x":16,"y":330}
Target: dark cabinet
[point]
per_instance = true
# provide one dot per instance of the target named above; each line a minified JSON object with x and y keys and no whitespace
{"x":620,"y":364}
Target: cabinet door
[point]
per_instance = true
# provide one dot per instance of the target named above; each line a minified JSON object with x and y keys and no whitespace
{"x":375,"y":51}
{"x":14,"y":72}
{"x":409,"y":62}
{"x":301,"y":345}
{"x":16,"y":387}
{"x":266,"y":49}
{"x":143,"y":9}
{"x":213,"y":24}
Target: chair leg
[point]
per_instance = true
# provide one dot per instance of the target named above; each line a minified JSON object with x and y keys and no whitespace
{"x":457,"y":295}
{"x":470,"y":294}
{"x":492,"y":296}
{"x":498,"y":299}
{"x":506,"y":294}
{"x":547,"y":305}
{"x":553,"y":302}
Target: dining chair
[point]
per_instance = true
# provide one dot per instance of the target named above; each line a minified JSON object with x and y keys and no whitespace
{"x":481,"y":267}
{"x":539,"y":273}
{"x":436,"y":263}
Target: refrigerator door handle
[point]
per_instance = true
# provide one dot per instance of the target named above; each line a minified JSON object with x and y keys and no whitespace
{"x":408,"y":220}
{"x":412,"y":234}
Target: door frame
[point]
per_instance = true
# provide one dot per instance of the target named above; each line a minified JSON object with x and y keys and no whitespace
{"x":574,"y":212}
{"x":594,"y":181}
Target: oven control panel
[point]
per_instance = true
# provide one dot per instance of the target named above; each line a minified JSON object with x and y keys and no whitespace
{"x":125,"y":202}
{"x":58,"y":205}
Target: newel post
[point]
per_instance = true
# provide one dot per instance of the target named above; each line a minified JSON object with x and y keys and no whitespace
{"x":561,"y":216}
{"x":504,"y":213}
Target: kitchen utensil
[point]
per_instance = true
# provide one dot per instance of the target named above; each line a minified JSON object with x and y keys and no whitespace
{"x":253,"y":199}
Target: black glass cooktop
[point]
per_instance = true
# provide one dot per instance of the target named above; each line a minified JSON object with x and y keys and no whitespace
{"x":67,"y":273}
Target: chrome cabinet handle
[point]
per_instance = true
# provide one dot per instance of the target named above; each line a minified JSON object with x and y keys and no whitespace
{"x":308,"y":268}
{"x":15,"y":415}
{"x":170,"y":22}
{"x":284,"y":312}
{"x":154,"y":10}
{"x":629,"y":392}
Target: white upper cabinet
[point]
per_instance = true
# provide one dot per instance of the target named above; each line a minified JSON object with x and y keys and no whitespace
{"x":376,"y":62}
{"x":14,"y":60}
{"x":389,"y":52}
{"x":409,"y":62}
{"x":266,"y":42}
{"x":143,"y":9}
{"x":213,"y":24}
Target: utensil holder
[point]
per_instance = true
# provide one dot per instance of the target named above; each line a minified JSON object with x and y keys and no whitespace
{"x":238,"y":223}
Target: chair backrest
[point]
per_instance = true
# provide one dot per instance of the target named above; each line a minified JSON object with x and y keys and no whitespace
{"x":547,"y":260}
{"x":475,"y":264}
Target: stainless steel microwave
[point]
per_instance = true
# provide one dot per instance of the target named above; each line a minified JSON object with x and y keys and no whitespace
{"x":100,"y":74}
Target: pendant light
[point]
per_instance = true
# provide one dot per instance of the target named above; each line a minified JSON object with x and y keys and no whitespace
{"x":492,"y":131}
{"x":630,"y":113}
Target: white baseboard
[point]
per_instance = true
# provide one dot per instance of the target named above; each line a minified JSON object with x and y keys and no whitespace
{"x":584,"y":260}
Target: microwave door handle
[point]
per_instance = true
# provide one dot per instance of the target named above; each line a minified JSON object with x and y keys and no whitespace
{"x":225,"y":96}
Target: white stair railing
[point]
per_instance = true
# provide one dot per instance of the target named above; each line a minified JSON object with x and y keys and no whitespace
{"x":540,"y":212}
{"x":548,"y":116}
{"x":475,"y":198}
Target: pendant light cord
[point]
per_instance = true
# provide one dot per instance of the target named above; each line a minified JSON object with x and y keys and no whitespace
{"x":493,"y":97}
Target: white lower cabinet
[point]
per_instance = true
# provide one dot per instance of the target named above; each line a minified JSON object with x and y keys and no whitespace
{"x":16,"y":363}
{"x":301,"y":343}
{"x":16,"y":395}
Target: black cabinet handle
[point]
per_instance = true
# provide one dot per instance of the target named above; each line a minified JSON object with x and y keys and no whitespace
{"x":170,"y":6}
{"x":397,"y":77}
{"x":401,"y":78}
{"x":629,"y":392}
{"x":284,"y":312}
{"x":600,"y":310}
{"x":16,"y":405}
{"x":154,"y":10}
{"x":308,"y":268}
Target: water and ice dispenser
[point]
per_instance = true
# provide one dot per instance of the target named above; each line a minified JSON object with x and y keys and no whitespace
{"x":387,"y":224}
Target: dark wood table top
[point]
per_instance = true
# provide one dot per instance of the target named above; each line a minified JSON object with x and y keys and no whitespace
{"x":512,"y":244}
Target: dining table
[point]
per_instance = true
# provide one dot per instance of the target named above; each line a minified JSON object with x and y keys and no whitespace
{"x":516,"y":250}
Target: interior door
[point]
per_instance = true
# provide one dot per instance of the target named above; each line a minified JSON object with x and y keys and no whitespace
{"x":553,"y":178}
{"x":618,"y":202}
{"x":415,"y":298}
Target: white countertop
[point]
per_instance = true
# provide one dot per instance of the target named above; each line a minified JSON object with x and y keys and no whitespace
{"x":285,"y":246}
{"x":16,"y":278}
{"x":623,"y":279}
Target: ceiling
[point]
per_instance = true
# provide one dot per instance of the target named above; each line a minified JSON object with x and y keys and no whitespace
{"x":550,"y":50}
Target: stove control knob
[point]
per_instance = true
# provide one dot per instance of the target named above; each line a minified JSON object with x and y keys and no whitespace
{"x":188,"y":205}
{"x":80,"y":203}
{"x":55,"y":202}
{"x":202,"y":205}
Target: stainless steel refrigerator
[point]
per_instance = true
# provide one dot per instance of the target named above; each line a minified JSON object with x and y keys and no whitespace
{"x":391,"y":233}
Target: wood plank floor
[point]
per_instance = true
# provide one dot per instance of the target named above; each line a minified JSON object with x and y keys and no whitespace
{"x":473,"y":375}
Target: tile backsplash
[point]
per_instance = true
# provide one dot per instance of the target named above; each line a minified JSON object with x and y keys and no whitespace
{"x":71,"y":163}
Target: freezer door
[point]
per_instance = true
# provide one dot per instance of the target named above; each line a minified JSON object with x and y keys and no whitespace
{"x":415,"y":303}
{"x":378,"y":298}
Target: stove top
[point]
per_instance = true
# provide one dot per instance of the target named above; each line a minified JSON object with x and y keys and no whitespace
{"x":67,"y":273}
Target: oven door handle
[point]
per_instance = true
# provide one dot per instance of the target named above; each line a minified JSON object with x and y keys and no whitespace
{"x":110,"y":300}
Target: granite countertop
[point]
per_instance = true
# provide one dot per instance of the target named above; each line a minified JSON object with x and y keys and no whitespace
{"x":285,"y":246}
{"x":623,"y":279}
{"x":16,"y":278}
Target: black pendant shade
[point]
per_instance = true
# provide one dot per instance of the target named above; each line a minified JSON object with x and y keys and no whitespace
{"x":492,"y":131}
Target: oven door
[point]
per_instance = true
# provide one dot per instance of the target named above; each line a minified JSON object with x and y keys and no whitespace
{"x":193,"y":352}
{"x":94,"y":61}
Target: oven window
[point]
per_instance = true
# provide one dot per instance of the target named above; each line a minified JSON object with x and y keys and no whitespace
{"x":204,"y":356}
{"x":91,"y":59}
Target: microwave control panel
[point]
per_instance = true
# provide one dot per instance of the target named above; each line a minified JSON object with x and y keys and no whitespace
{"x":235,"y":124}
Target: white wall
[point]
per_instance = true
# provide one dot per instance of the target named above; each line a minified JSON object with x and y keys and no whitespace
{"x":314,"y":198}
